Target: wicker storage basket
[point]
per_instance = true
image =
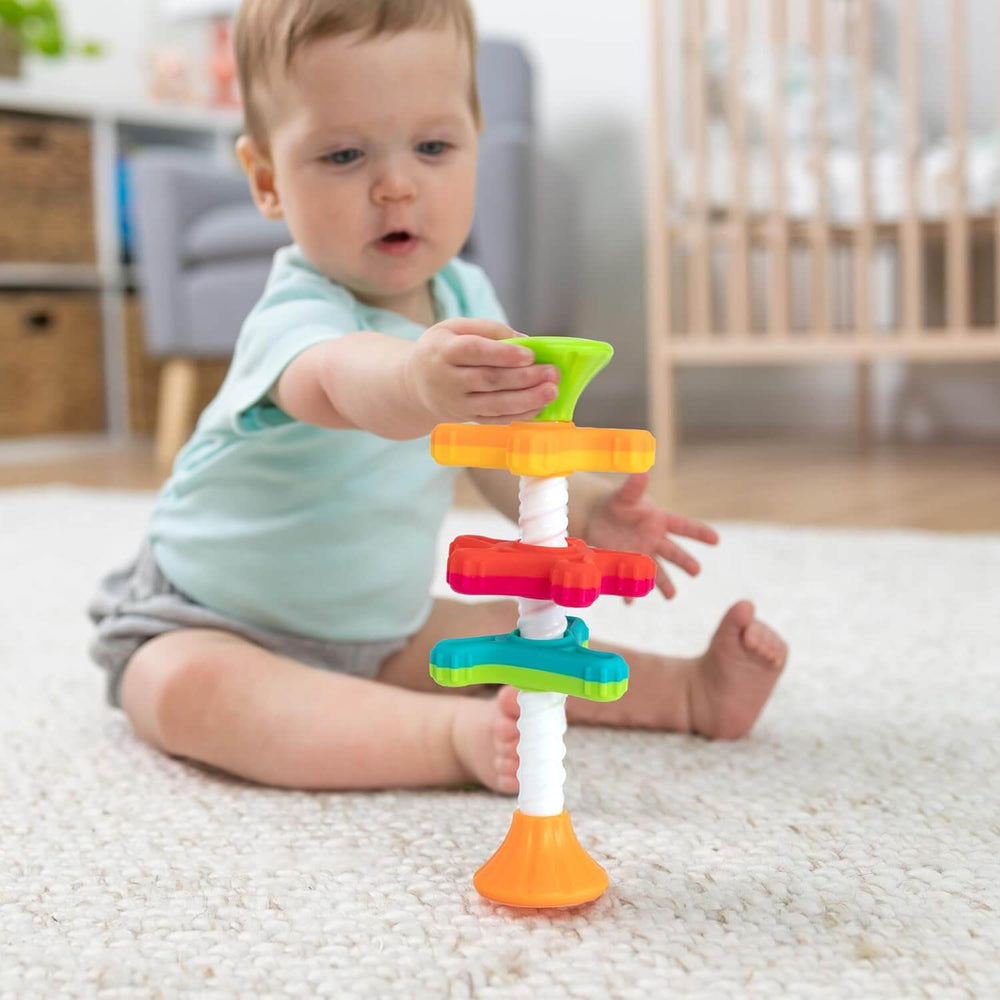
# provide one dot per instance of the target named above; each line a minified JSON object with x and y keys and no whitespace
{"x":51,"y":363}
{"x":144,"y":374}
{"x":45,"y":177}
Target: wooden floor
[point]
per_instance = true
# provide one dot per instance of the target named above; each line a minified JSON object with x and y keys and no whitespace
{"x":946,"y":487}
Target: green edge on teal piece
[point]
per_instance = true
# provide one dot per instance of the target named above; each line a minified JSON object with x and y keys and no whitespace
{"x":528,"y":679}
{"x":532,"y":664}
{"x":577,"y":358}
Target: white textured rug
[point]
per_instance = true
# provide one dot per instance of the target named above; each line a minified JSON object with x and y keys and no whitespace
{"x":849,"y":848}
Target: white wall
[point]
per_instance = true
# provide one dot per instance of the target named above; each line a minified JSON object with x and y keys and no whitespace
{"x":128,"y":29}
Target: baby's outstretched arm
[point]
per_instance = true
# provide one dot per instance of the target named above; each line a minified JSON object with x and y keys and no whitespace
{"x":457,"y":370}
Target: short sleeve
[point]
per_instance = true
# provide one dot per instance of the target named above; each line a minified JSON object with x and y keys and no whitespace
{"x":300,"y":308}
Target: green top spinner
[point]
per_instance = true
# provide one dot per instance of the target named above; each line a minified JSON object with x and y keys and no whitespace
{"x":577,"y":359}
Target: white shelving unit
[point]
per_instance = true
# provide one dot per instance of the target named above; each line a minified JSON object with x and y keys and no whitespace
{"x":115,"y":126}
{"x":24,"y":275}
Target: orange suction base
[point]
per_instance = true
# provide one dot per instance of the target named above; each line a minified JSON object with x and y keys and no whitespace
{"x":541,"y":863}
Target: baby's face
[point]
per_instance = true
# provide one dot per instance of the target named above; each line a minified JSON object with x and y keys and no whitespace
{"x":373,"y":148}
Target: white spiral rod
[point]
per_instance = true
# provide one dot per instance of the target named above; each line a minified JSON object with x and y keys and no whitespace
{"x":543,"y":510}
{"x":542,"y":520}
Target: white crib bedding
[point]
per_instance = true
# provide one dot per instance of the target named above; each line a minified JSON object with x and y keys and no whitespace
{"x":844,"y":182}
{"x":843,"y":161}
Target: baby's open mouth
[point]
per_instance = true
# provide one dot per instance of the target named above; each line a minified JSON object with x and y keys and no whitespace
{"x":399,"y":241}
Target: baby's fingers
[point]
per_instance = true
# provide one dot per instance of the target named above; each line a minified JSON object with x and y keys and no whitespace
{"x":663,"y":582}
{"x":678,"y":524}
{"x":481,"y":379}
{"x":672,"y":552}
{"x":466,"y":351}
{"x":512,"y":405}
{"x":479,"y":327}
{"x":510,"y":418}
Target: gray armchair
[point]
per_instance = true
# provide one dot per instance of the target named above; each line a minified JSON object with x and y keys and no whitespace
{"x":203,"y":251}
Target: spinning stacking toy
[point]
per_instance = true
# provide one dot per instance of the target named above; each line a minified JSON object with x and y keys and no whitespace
{"x":541,"y":863}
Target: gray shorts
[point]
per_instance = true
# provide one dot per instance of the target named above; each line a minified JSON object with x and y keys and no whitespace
{"x":137,"y":603}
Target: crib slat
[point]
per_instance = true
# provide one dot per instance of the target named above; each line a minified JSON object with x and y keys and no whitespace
{"x":686,"y":23}
{"x":864,"y":235}
{"x":958,"y":230}
{"x":685,"y":223}
{"x":778,"y":302}
{"x":659,"y":249}
{"x":912,"y":257}
{"x":844,"y":236}
{"x":996,"y":263}
{"x":819,"y":286}
{"x":698,"y":233}
{"x":737,"y":296}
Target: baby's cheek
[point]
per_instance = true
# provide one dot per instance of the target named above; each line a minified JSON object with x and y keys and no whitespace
{"x":459,"y":204}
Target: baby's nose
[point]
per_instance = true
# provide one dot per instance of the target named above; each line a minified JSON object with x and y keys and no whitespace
{"x":394,"y":185}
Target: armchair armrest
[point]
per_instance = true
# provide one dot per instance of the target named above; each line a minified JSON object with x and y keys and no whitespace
{"x":172,"y":189}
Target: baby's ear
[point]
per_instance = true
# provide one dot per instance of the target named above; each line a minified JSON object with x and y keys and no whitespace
{"x":260,"y":175}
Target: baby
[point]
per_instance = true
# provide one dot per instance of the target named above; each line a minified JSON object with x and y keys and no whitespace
{"x":277,"y":621}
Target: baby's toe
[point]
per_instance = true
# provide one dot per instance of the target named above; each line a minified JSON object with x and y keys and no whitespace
{"x":765,"y":644}
{"x":505,"y":740}
{"x":506,"y":701}
{"x":505,"y":731}
{"x":506,"y":767}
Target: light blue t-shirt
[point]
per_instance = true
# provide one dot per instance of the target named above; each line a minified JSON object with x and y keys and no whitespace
{"x":323,"y":533}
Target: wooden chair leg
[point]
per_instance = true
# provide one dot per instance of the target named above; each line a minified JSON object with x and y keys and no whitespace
{"x":176,"y":410}
{"x":863,"y":404}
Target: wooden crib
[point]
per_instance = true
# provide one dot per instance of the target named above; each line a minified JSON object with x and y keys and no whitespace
{"x":703,"y":252}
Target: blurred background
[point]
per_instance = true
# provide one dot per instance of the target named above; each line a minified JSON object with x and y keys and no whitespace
{"x":128,"y":246}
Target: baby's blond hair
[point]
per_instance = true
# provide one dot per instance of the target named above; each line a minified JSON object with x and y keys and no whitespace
{"x":268,"y":33}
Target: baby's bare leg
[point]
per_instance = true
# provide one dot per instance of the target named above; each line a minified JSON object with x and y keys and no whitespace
{"x":213,"y":697}
{"x":719,"y":694}
{"x":410,"y":668}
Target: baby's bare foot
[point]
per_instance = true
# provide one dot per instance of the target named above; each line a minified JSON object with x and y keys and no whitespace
{"x":733,"y":680}
{"x":484,"y":735}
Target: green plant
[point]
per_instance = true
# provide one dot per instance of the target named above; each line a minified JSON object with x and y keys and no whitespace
{"x":39,"y":28}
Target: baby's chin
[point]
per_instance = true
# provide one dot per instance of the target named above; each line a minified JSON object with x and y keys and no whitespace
{"x":397,"y":296}
{"x":397,"y":277}
{"x":374,"y":291}
{"x":371,"y":283}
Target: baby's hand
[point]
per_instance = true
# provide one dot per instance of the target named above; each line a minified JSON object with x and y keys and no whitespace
{"x":627,"y":521}
{"x":458,"y":370}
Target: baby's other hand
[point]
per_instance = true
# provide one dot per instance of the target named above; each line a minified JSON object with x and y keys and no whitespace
{"x":459,"y":370}
{"x":627,"y":520}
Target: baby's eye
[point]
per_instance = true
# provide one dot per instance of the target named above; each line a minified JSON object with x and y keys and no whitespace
{"x":434,"y":147}
{"x":342,"y":156}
